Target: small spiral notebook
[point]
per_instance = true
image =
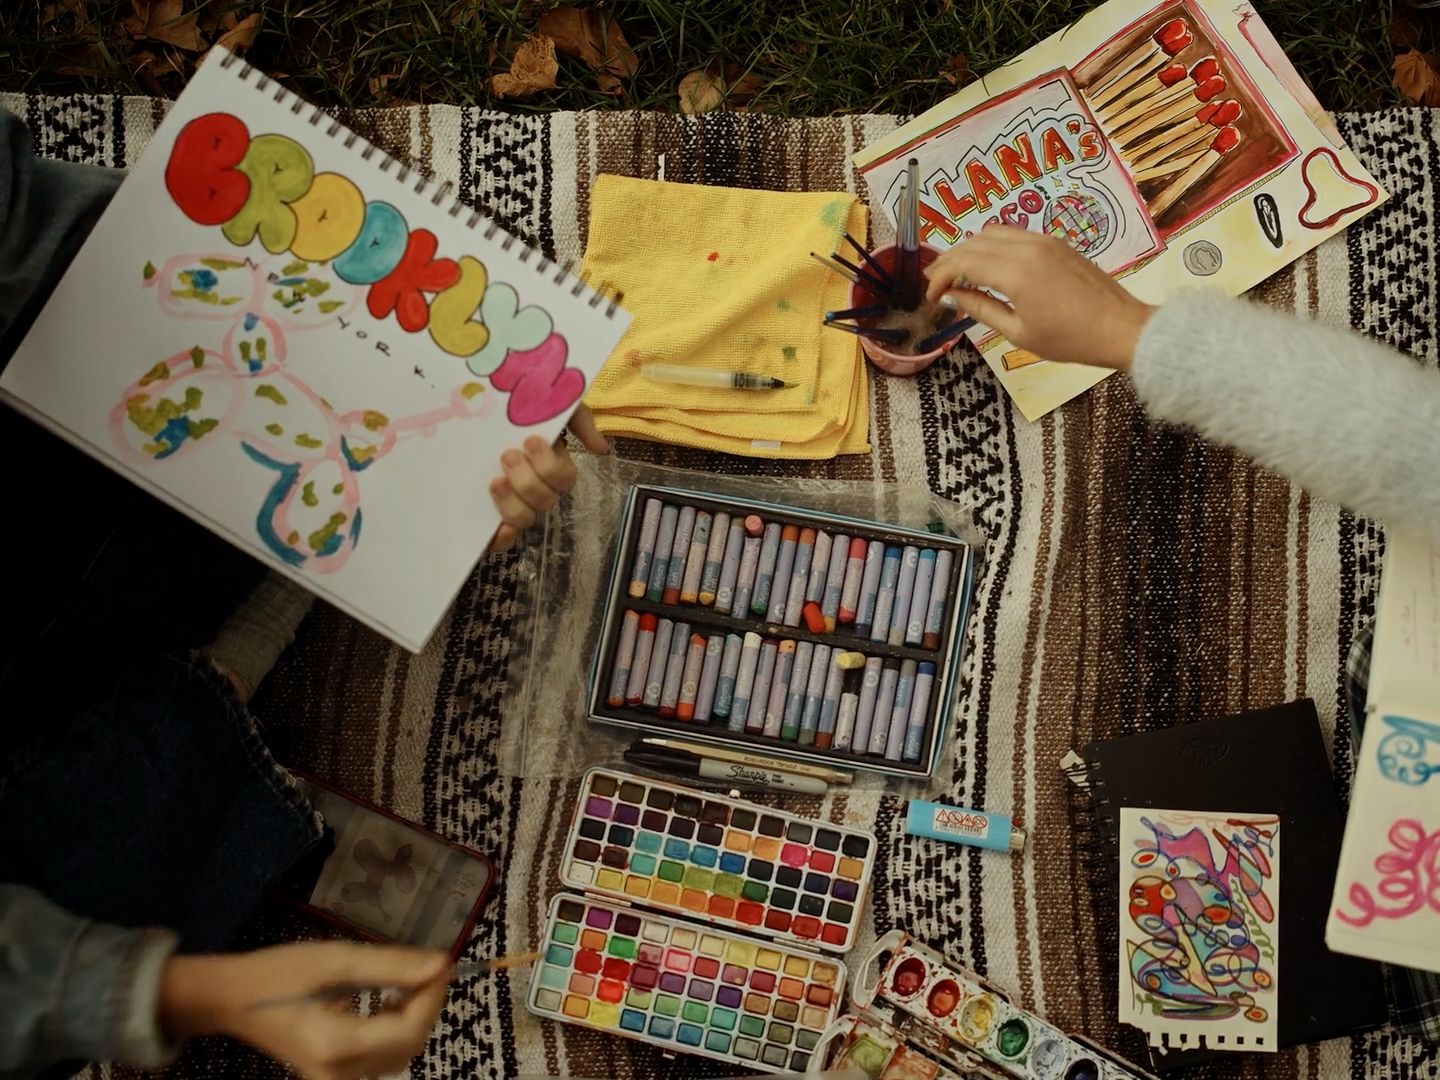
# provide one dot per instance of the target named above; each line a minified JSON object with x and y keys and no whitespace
{"x":1231,"y":836}
{"x":311,"y":349}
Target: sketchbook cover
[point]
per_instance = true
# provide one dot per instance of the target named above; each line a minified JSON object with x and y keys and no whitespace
{"x":1271,"y":761}
{"x":310,"y":349}
{"x":1386,"y":902}
{"x":1173,"y":143}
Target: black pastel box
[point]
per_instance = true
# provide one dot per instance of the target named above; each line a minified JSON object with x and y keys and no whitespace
{"x":704,"y":924}
{"x":784,"y":631}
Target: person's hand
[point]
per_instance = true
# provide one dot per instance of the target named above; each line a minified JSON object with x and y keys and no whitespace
{"x":536,"y":476}
{"x":1061,"y":306}
{"x":217,"y":995}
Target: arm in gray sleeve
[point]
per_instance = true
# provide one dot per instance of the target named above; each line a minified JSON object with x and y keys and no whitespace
{"x":1351,"y":420}
{"x":47,"y":208}
{"x":74,"y":989}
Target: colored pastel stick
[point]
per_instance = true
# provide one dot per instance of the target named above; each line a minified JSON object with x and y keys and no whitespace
{"x":660,"y":565}
{"x":830,"y":703}
{"x":695,"y":560}
{"x":799,"y":577}
{"x":939,"y":594}
{"x":884,"y":707}
{"x":819,"y":567}
{"x":885,"y":597}
{"x":645,"y":548}
{"x":754,"y":526}
{"x":834,"y":583}
{"x":904,"y":593}
{"x":869,"y":691}
{"x":900,"y":714}
{"x":674,"y":668}
{"x":779,"y":689}
{"x":849,"y":710}
{"x":729,"y":570}
{"x":870,"y":588}
{"x":919,"y":710}
{"x":749,"y":567}
{"x":709,"y":678}
{"x":784,"y":567}
{"x":624,"y":657}
{"x":814,"y":694}
{"x":729,"y":668}
{"x":920,"y":601}
{"x":715,"y":557}
{"x":854,"y":572}
{"x":690,"y":678}
{"x":644,"y":646}
{"x":765,"y":574}
{"x":745,"y":681}
{"x":795,"y":699}
{"x":760,"y":692}
{"x":659,"y":659}
{"x":679,"y":552}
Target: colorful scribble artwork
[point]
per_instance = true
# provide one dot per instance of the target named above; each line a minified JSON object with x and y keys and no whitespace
{"x":1199,"y":939}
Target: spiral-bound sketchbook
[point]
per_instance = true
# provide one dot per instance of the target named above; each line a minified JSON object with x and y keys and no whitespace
{"x":1234,"y":777}
{"x":309,"y":348}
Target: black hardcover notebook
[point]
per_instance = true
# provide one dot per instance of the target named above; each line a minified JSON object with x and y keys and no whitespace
{"x":1271,"y":761}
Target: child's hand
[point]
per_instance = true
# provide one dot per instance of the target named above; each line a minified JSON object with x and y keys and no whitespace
{"x":537,"y":476}
{"x":218,"y":995}
{"x":1061,"y":305}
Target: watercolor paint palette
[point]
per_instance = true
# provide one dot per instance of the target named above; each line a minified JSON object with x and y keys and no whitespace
{"x":686,"y":988}
{"x":791,"y":632}
{"x":956,"y":1018}
{"x":724,"y":861}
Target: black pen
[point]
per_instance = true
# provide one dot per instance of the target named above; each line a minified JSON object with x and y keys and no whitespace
{"x":682,"y":763}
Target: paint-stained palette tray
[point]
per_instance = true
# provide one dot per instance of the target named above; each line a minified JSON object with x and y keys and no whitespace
{"x":918,"y":1016}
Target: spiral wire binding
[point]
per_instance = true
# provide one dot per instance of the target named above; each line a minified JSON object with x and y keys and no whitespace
{"x":493,"y":229}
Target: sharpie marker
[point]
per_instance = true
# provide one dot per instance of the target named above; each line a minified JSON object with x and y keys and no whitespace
{"x":956,"y":825}
{"x":679,"y":763}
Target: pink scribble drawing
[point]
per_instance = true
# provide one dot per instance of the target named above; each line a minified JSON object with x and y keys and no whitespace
{"x":243,"y":391}
{"x":1409,"y":877}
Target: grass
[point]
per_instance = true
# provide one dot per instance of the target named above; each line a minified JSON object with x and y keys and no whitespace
{"x":811,"y":57}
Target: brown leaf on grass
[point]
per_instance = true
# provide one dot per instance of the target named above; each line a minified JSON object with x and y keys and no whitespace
{"x":595,"y":39}
{"x":704,"y":91}
{"x":1416,"y":77}
{"x":239,"y":37}
{"x":957,"y":70}
{"x":165,"y":21}
{"x":533,"y":68}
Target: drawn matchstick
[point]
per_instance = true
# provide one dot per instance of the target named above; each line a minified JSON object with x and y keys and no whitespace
{"x":1204,"y":93}
{"x":1223,"y":143}
{"x":1178,"y":90}
{"x":1151,"y":149}
{"x":1142,"y":61}
{"x":1168,"y":76}
{"x":1184,"y":158}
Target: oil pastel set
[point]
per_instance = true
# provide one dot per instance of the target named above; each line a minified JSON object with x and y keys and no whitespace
{"x":918,"y":1016}
{"x":803,"y":634}
{"x":701,"y":924}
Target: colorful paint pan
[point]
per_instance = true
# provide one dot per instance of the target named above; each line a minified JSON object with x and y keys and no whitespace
{"x":689,"y":989}
{"x":865,"y":1043}
{"x":972,"y":1022}
{"x":722,"y":861}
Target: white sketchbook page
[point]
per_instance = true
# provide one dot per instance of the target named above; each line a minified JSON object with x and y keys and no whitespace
{"x":1199,"y":928}
{"x":1386,"y":903}
{"x":423,"y":428}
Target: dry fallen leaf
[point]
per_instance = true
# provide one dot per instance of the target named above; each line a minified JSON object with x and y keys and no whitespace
{"x":167,"y":21}
{"x":594,"y":38}
{"x":700,"y":92}
{"x":957,"y":70}
{"x":533,"y":68}
{"x":1415,"y":76}
{"x":240,"y":36}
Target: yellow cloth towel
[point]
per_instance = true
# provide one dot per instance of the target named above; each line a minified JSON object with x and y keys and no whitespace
{"x":721,"y":278}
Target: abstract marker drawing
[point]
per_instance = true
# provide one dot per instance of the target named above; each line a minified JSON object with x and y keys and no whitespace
{"x":1199,"y":933}
{"x":243,"y":391}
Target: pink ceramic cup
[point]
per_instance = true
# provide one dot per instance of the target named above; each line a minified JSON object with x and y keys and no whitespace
{"x":893,"y":363}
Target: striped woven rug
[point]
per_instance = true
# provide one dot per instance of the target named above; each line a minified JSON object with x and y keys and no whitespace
{"x":1134,"y":577}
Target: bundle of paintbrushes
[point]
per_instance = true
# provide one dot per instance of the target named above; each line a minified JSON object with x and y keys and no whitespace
{"x":891,"y":309}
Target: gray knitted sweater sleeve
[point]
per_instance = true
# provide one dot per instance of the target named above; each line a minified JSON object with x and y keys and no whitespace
{"x":1348,"y":419}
